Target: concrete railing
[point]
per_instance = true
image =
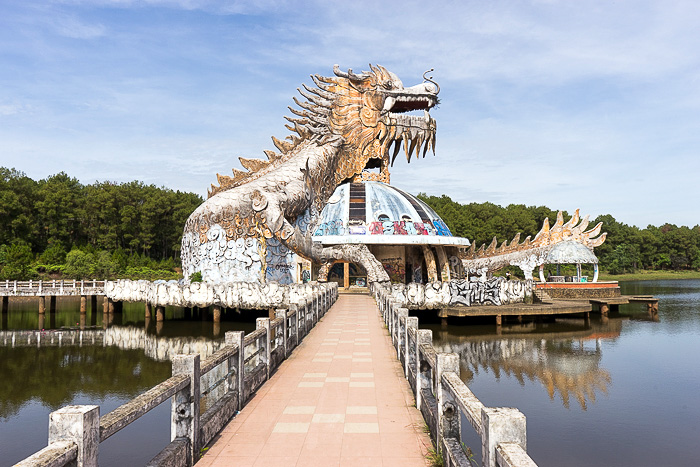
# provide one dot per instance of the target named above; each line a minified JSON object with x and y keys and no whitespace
{"x":61,"y":287}
{"x":443,"y":398}
{"x":222,"y":383}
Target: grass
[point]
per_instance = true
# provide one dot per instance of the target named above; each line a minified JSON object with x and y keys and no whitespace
{"x":435,"y":458}
{"x":644,"y":275}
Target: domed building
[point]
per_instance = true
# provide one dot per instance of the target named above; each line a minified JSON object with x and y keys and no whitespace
{"x":402,"y":232}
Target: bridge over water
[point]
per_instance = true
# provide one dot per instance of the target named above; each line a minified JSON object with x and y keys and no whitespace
{"x":289,"y":394}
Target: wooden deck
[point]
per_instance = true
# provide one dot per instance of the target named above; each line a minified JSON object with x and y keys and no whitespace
{"x":340,"y":399}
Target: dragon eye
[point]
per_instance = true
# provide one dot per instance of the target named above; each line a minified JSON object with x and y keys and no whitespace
{"x":388,"y":85}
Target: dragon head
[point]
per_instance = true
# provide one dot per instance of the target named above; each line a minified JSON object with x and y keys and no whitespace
{"x":363,"y":115}
{"x":367,"y":113}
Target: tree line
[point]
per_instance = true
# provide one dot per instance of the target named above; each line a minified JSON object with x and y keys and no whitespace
{"x":58,"y":227}
{"x":104,"y":229}
{"x":626,"y":248}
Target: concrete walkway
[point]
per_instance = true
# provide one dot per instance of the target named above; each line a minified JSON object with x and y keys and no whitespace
{"x":341,"y":399}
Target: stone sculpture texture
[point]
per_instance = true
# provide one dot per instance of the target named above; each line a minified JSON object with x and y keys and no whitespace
{"x":345,"y":123}
{"x":253,"y":221}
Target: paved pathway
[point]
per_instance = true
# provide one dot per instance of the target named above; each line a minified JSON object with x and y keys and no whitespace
{"x":341,"y":399}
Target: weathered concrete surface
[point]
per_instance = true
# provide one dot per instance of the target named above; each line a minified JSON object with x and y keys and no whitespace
{"x":176,"y":454}
{"x":200,"y":294}
{"x":57,"y":454}
{"x":81,"y":425}
{"x":135,"y":408}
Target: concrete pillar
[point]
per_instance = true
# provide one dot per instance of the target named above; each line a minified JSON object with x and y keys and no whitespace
{"x":83,"y":304}
{"x":160,"y":314}
{"x":264,"y":323}
{"x":83,"y":320}
{"x":184,"y":421}
{"x":430,"y":263}
{"x":216,"y":313}
{"x":237,"y":362}
{"x":447,"y":412}
{"x":42,"y":305}
{"x":42,"y":320}
{"x":424,"y":336}
{"x":444,"y":263}
{"x":110,"y":306}
{"x":148,"y":311}
{"x":105,"y":305}
{"x":499,"y":320}
{"x":500,"y":425}
{"x":80,"y":424}
{"x":346,"y":275}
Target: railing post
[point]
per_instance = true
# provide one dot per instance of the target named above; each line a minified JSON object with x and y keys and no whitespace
{"x":80,"y":424}
{"x":235,"y":338}
{"x":41,"y":285}
{"x":15,"y":288}
{"x":401,"y":316}
{"x":264,"y":323}
{"x":283,"y":314}
{"x":61,"y":293}
{"x":184,"y":421}
{"x":411,"y":322}
{"x":82,"y":287}
{"x":423,"y":336}
{"x":447,"y":412}
{"x":500,"y":425}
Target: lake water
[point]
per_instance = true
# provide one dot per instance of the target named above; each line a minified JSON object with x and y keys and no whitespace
{"x":622,"y":391}
{"x":36,"y":381}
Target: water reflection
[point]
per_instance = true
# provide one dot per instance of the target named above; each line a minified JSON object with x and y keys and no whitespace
{"x":56,"y":359}
{"x":564,"y":357}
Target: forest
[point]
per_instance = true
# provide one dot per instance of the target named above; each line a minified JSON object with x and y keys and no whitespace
{"x":59,"y":228}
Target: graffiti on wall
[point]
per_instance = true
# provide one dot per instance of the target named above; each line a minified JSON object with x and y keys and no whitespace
{"x":496,"y":291}
{"x":395,"y":268}
{"x":399,"y":228}
{"x":330,"y":228}
{"x":441,"y":228}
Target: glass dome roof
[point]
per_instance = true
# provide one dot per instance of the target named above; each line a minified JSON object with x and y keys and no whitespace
{"x":377,"y":213}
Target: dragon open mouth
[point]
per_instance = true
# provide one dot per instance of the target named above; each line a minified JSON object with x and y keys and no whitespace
{"x":416,"y":132}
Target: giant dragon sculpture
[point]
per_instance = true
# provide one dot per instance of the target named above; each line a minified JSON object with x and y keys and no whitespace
{"x":345,"y":126}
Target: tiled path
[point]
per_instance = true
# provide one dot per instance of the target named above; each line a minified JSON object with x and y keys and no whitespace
{"x":341,"y":399}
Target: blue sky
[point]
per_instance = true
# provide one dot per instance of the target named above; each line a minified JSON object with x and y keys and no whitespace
{"x":579,"y":104}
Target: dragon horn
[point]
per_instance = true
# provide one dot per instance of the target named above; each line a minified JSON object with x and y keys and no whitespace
{"x":349,"y":75}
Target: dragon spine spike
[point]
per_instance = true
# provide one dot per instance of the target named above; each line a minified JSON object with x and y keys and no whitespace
{"x":328,"y":96}
{"x":579,"y":229}
{"x":253,"y":165}
{"x":492,"y":247}
{"x":594,"y":231}
{"x":559,"y":223}
{"x":515,"y":240}
{"x":597,"y":241}
{"x":283,"y":146}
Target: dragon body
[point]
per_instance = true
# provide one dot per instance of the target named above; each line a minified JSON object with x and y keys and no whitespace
{"x":346,"y":125}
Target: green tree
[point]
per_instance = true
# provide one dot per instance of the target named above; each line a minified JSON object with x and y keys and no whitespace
{"x":17,"y":261}
{"x":79,"y":265}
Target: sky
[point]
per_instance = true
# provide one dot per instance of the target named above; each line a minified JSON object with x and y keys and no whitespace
{"x":569,"y":104}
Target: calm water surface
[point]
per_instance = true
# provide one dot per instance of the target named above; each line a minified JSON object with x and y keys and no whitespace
{"x":36,"y":381}
{"x":622,"y":391}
